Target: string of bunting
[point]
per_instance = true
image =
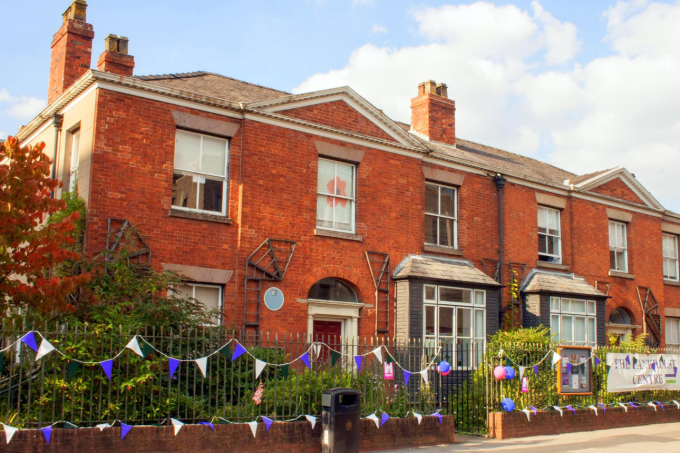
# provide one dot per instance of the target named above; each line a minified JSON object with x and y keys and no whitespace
{"x":177,"y":425}
{"x":142,"y":348}
{"x":594,"y":407}
{"x":556,"y":358}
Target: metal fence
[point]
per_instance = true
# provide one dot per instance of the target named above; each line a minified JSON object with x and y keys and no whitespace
{"x":141,"y":391}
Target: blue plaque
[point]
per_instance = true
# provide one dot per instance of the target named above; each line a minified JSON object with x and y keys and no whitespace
{"x":273,"y":298}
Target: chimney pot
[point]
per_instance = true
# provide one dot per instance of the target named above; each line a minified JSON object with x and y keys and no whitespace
{"x":433,"y":114}
{"x":442,"y":90}
{"x":77,"y":11}
{"x":123,"y":45}
{"x":115,"y":58}
{"x":111,"y":43}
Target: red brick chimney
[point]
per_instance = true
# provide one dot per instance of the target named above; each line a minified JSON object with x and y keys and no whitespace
{"x":115,"y":57}
{"x":433,"y":114}
{"x":71,"y":50}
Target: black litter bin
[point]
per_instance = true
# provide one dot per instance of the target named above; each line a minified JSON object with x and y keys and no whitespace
{"x":340,"y":420}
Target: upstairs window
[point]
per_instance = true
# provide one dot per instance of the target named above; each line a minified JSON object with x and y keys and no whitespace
{"x":441,"y":226}
{"x":618,"y":246}
{"x":199,"y":181}
{"x":573,"y":321}
{"x":335,"y":199}
{"x":670,"y":257}
{"x":75,"y":160}
{"x":549,"y":235}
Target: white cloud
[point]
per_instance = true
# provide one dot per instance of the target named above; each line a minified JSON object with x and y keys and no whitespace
{"x":499,"y":63}
{"x":378,"y":29}
{"x":21,"y":107}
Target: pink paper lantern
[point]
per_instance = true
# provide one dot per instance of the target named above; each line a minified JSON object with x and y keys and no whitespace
{"x":499,"y":372}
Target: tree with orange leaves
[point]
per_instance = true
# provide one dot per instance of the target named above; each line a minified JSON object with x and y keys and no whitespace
{"x":30,"y":247}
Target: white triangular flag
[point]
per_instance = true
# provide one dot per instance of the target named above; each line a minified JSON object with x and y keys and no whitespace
{"x":202,"y":364}
{"x":556,"y":358}
{"x":102,"y":426}
{"x":177,"y":425}
{"x":311,"y":420}
{"x":559,"y":409}
{"x":424,"y":375}
{"x":419,"y":417}
{"x":134,"y":346}
{"x":521,"y":371}
{"x":9,"y":431}
{"x":526,"y":411}
{"x":253,"y":428}
{"x":624,"y":406}
{"x":44,"y":349}
{"x":375,"y":420}
{"x":653,"y":405}
{"x":259,"y":366}
{"x":593,"y":408}
{"x":317,"y":349}
{"x":676,"y":403}
{"x":378,"y":353}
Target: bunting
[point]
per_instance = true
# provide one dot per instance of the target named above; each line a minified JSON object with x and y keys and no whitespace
{"x":424,"y":375}
{"x":378,"y":353}
{"x":238,"y":352}
{"x":383,"y":419}
{"x":305,"y":359}
{"x":521,"y":371}
{"x":47,"y":432}
{"x":173,"y":364}
{"x":259,"y":366}
{"x":556,"y":358}
{"x":9,"y":431}
{"x":407,"y":376}
{"x":209,"y":424}
{"x":558,"y":409}
{"x":202,"y":364}
{"x":29,"y":340}
{"x":107,"y":366}
{"x":311,"y":420}
{"x":45,"y":348}
{"x":375,"y":420}
{"x":133,"y":345}
{"x":253,"y":428}
{"x":358,"y":359}
{"x":124,"y":430}
{"x":418,"y":417}
{"x":176,"y":424}
{"x":267,"y":422}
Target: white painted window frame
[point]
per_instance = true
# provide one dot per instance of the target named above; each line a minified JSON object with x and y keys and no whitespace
{"x":672,"y":325}
{"x":75,"y":160}
{"x":619,"y":249}
{"x":670,"y":259}
{"x":351,"y":200}
{"x":193,"y":286}
{"x":546,"y":210}
{"x":559,"y":313}
{"x":438,"y":215}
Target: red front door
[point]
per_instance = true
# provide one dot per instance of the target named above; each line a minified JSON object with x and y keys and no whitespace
{"x":327,"y":331}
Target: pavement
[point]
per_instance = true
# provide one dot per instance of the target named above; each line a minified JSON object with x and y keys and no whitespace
{"x":661,"y":438}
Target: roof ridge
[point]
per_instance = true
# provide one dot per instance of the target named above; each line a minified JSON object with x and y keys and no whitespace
{"x":185,"y":75}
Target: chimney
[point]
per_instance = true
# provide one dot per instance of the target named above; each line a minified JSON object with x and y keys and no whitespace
{"x":433,"y":114}
{"x":71,"y":50}
{"x":115,"y":57}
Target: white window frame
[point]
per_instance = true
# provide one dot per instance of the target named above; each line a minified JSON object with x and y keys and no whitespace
{"x":438,"y":215}
{"x":672,"y":326}
{"x":618,"y":249}
{"x":225,"y":178}
{"x":546,"y":210}
{"x":670,"y":259}
{"x":75,"y":160}
{"x":475,"y":338}
{"x":193,"y":286}
{"x":558,"y":313}
{"x":350,"y":200}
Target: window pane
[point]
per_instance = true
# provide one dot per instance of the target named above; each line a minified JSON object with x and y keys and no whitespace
{"x":555,"y":304}
{"x":430,"y":229}
{"x":445,"y":232}
{"x":480,"y":331}
{"x":187,"y":151}
{"x":214,"y":156}
{"x":566,"y":329}
{"x":553,"y":222}
{"x":431,"y":199}
{"x":664,"y":245}
{"x":429,"y":320}
{"x":430,"y":292}
{"x":621,"y":234}
{"x":673,"y":269}
{"x":578,"y":306}
{"x":208,"y":296}
{"x":464,"y":352}
{"x":542,"y":243}
{"x":445,"y":321}
{"x":580,"y":330}
{"x":454,"y":295}
{"x":672,"y":247}
{"x":553,"y":245}
{"x":621,"y":261}
{"x":75,"y":150}
{"x":184,"y":191}
{"x":612,"y":259}
{"x":592,"y":337}
{"x":325,"y":181}
{"x":666,"y":264}
{"x":343,"y":214}
{"x":591,"y":307}
{"x":210,"y":195}
{"x":612,"y":234}
{"x":566,"y":304}
{"x":448,"y":201}
{"x":555,"y":327}
{"x":480,"y":298}
{"x":542,"y":220}
{"x":345,"y":181}
{"x":447,"y":349}
{"x":463,"y":322}
{"x":324,"y":211}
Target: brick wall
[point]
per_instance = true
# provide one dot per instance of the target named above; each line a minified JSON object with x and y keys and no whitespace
{"x":281,"y":438}
{"x":515,"y":424}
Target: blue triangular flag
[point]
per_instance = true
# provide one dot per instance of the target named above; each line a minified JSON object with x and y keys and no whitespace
{"x":358,"y":359}
{"x":174,"y":363}
{"x":604,"y":409}
{"x":29,"y":340}
{"x":383,"y":418}
{"x":124,"y":429}
{"x":571,"y":409}
{"x":597,"y":361}
{"x":47,"y":432}
{"x":267,"y":422}
{"x":305,"y":359}
{"x":107,"y":366}
{"x":568,"y":368}
{"x":653,"y":366}
{"x":238,"y":352}
{"x":536,"y":370}
{"x":209,"y":424}
{"x":439,"y":416}
{"x":407,"y":376}
{"x":533,"y":409}
{"x":659,"y":403}
{"x":628,"y":360}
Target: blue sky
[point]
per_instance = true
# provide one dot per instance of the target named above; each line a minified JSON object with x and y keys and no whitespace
{"x":554,"y":80}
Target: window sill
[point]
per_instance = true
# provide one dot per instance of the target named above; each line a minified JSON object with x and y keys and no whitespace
{"x":671,"y":282}
{"x":337,"y":235}
{"x":198,"y":216}
{"x":621,"y":275}
{"x":443,"y":250}
{"x":548,"y":265}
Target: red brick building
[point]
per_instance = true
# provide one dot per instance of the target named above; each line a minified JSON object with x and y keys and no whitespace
{"x":317,"y":213}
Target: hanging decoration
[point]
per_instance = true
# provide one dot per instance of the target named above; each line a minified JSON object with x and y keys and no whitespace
{"x":311,"y":420}
{"x":509,"y":372}
{"x":257,"y":396}
{"x":107,"y":366}
{"x":238,"y":352}
{"x":176,"y":424}
{"x":45,"y":348}
{"x":202,"y":365}
{"x":259,"y":366}
{"x":407,"y":376}
{"x":444,"y":368}
{"x":174,"y":363}
{"x":9,"y":431}
{"x":358,"y":359}
{"x":375,"y":420}
{"x":133,"y":345}
{"x":508,"y":405}
{"x":383,"y":418}
{"x":499,"y":372}
{"x":124,"y":430}
{"x":377,"y":352}
{"x":29,"y":340}
{"x":267,"y":422}
{"x":305,"y":359}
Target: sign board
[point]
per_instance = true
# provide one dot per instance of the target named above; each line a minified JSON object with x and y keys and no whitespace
{"x":273,"y":298}
{"x":630,"y":372}
{"x":388,"y":371}
{"x":575,"y":374}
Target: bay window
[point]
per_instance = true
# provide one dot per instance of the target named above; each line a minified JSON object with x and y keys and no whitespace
{"x":335,"y":200}
{"x":573,"y":321}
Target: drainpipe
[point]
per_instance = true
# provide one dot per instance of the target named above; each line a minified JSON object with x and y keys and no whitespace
{"x":58,"y":121}
{"x":500,"y":183}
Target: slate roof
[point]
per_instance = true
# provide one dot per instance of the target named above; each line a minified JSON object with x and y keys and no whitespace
{"x":551,"y":282}
{"x":579,"y":179}
{"x":215,"y":85}
{"x":442,"y":269}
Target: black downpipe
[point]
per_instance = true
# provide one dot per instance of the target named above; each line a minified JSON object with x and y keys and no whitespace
{"x":58,"y":121}
{"x":500,"y":184}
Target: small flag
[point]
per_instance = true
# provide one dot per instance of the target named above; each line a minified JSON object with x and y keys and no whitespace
{"x":624,"y":407}
{"x":147,"y":349}
{"x":102,"y":426}
{"x":133,"y":345}
{"x":419,"y":417}
{"x":536,"y":370}
{"x":383,"y":418}
{"x":334,"y":357}
{"x":225,"y":351}
{"x":676,"y":403}
{"x":202,"y":364}
{"x":424,"y":375}
{"x":558,"y":409}
{"x":305,"y":359}
{"x":439,"y":417}
{"x":253,"y":428}
{"x":633,"y":405}
{"x":593,"y":408}
{"x":358,"y":359}
{"x":375,"y":420}
{"x":257,"y":396}
{"x":124,"y":430}
{"x":174,"y":363}
{"x":571,"y":409}
{"x":176,"y":424}
{"x":407,"y":376}
{"x":47,"y":432}
{"x":311,"y":420}
{"x":209,"y":424}
{"x":316,"y":347}
{"x":602,"y":406}
{"x":238,"y":352}
{"x":556,"y":358}
{"x":68,"y":425}
{"x":73,"y":366}
{"x":597,"y":361}
{"x":521,"y":371}
{"x":389,"y":358}
{"x":568,"y":368}
{"x":9,"y":431}
{"x":653,"y":365}
{"x":29,"y":340}
{"x":378,"y":353}
{"x":659,"y":403}
{"x":45,"y":348}
{"x":508,"y":362}
{"x":285,"y":369}
{"x":628,"y":360}
{"x":267,"y":422}
{"x":652,"y":404}
{"x":526,"y":411}
{"x":533,"y":409}
{"x":107,"y":366}
{"x":259,"y":366}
